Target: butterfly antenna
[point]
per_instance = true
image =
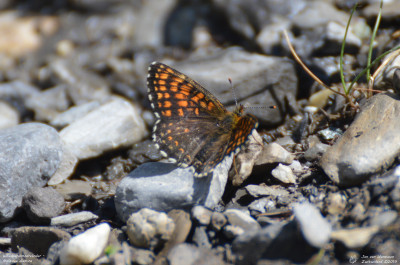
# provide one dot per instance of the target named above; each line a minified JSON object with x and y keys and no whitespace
{"x":233,"y":91}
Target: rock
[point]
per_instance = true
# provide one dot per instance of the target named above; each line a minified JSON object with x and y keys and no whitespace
{"x":315,"y":152}
{"x":152,"y":16}
{"x":74,"y":189}
{"x":218,"y":220}
{"x":9,"y":116}
{"x":163,"y":187}
{"x":87,"y":246}
{"x":200,"y":237}
{"x":202,"y":215}
{"x":83,"y":85}
{"x":241,"y":219}
{"x":66,"y":168}
{"x":183,"y":225}
{"x":274,"y":153}
{"x":37,"y":206}
{"x":149,"y":229}
{"x":274,"y":73}
{"x":245,"y":159}
{"x":356,"y":237}
{"x":186,"y":254}
{"x":36,"y":239}
{"x":74,"y":113}
{"x":72,"y":219}
{"x":29,"y":155}
{"x":315,"y":14}
{"x":232,"y":231}
{"x":270,"y":36}
{"x":48,"y":103}
{"x":315,"y":229}
{"x":365,"y":148}
{"x":262,"y":191}
{"x":250,"y":246}
{"x":115,"y":124}
{"x":284,"y":174}
{"x":383,"y":219}
{"x":336,"y":203}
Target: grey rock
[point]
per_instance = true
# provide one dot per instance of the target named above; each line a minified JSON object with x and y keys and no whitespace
{"x":163,"y":187}
{"x":72,"y":219}
{"x":186,"y":254}
{"x":202,"y":215}
{"x":261,"y":206}
{"x":241,"y":219}
{"x":218,"y":220}
{"x":149,"y":229}
{"x":274,"y":73}
{"x":330,"y":134}
{"x":200,"y":237}
{"x":159,"y":186}
{"x":83,"y":85}
{"x":48,"y":103}
{"x":383,"y":219}
{"x":274,"y":153}
{"x":37,"y":239}
{"x":41,"y":204}
{"x":315,"y":14}
{"x":66,"y":167}
{"x":9,"y":116}
{"x":315,"y":229}
{"x":29,"y":155}
{"x":369,"y":145}
{"x":152,"y":17}
{"x":116,"y":123}
{"x":250,"y":246}
{"x":315,"y":152}
{"x":74,"y":113}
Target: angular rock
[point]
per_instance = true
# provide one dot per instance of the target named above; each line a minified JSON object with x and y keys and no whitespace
{"x":274,"y":153}
{"x":284,"y":174}
{"x":29,"y":155}
{"x":163,"y":187}
{"x":117,"y":123}
{"x":41,"y":204}
{"x":241,"y":219}
{"x":369,"y":145}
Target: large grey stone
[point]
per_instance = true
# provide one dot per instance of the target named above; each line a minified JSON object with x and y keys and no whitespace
{"x":29,"y":155}
{"x":369,"y":145}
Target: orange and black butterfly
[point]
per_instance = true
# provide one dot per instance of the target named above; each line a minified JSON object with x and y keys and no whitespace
{"x":193,"y":128}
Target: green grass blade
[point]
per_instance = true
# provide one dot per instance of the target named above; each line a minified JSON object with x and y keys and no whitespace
{"x":377,"y":22}
{"x":346,"y":91}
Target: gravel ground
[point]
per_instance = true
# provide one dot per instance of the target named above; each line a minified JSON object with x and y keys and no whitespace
{"x":82,"y":182}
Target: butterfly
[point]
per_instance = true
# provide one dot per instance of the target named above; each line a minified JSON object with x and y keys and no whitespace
{"x":192,"y":126}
